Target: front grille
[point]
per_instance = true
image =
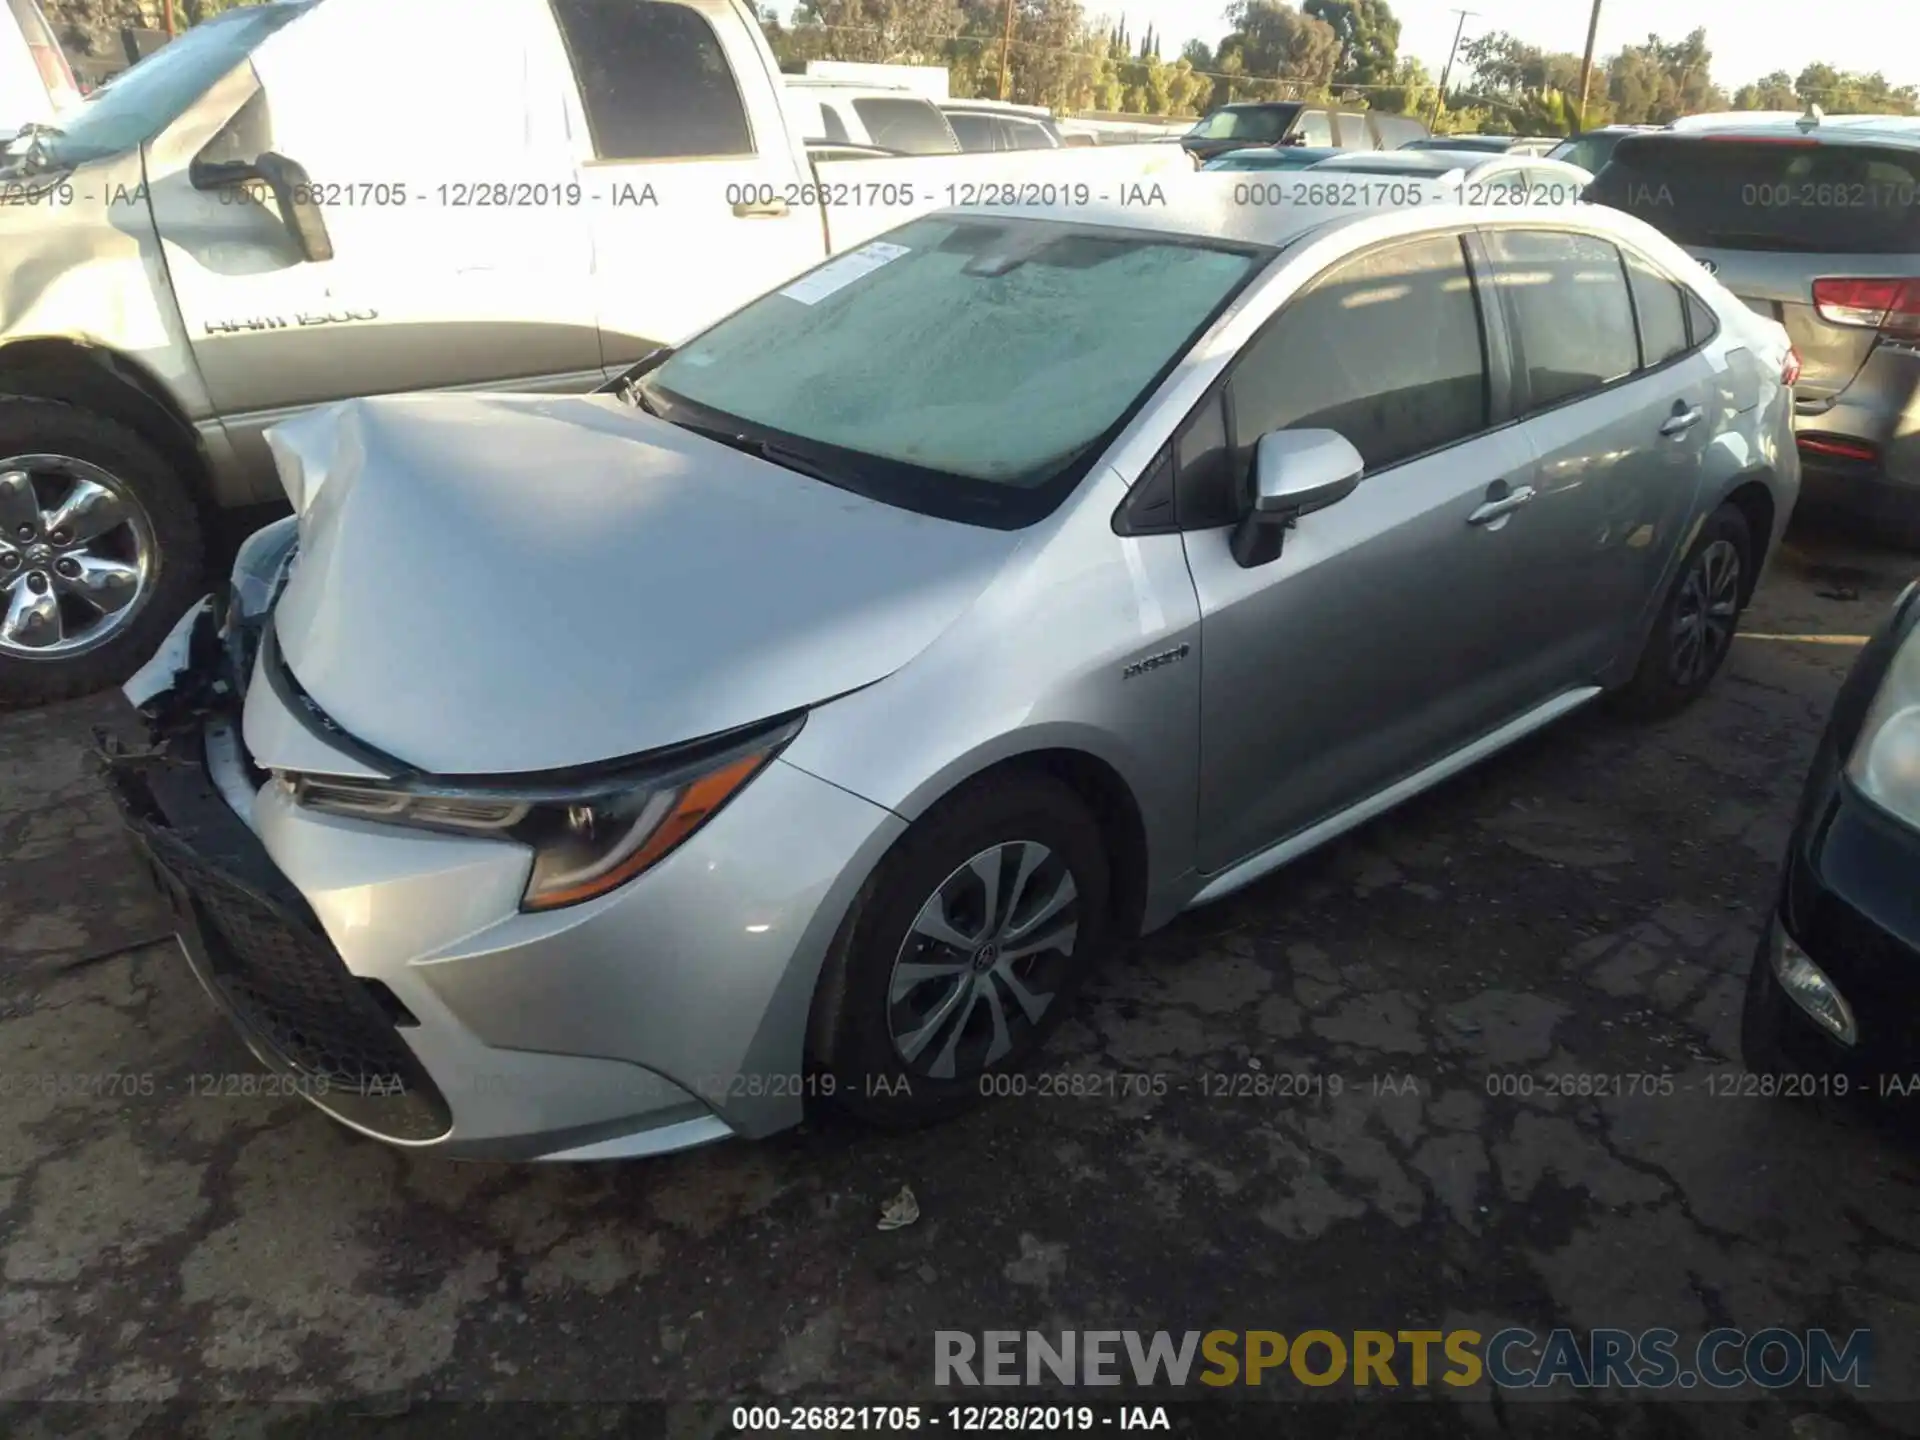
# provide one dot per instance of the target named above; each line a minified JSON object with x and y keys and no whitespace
{"x":263,"y":950}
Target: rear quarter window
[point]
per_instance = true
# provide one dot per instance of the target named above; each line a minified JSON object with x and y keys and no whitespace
{"x":1770,"y":195}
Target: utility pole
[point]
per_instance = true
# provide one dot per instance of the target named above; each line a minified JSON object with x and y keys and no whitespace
{"x":170,"y":19}
{"x":1586,"y":70}
{"x":1446,"y":70}
{"x":1006,"y":53}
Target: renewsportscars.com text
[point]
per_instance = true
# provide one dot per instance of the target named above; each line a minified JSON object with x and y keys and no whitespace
{"x":1509,"y":1359}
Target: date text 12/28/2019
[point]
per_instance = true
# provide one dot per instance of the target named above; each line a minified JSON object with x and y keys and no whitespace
{"x":959,"y":1419}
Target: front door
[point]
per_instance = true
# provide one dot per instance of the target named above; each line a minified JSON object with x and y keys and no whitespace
{"x":461,"y":257}
{"x":697,"y":191}
{"x":1374,"y":645}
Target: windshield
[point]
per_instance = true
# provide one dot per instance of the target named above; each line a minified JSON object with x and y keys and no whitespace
{"x":958,"y":365}
{"x":1768,"y":194}
{"x":145,"y":99}
{"x":914,"y":127}
{"x":1260,"y":122}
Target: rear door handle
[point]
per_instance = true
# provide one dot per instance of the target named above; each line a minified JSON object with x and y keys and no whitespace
{"x":1505,"y":505}
{"x":762,"y":210}
{"x":1683,"y":421}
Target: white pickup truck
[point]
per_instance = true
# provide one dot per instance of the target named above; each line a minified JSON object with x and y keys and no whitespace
{"x":304,"y":201}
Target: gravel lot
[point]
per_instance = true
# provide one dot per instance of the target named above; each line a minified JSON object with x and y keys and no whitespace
{"x":1586,"y":903}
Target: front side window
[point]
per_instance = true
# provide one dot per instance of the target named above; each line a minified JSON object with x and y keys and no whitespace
{"x":1567,"y":297}
{"x":948,"y":361}
{"x":654,"y":80}
{"x":144,"y":100}
{"x":1386,"y":349}
{"x":913,"y":127}
{"x":1662,"y":311}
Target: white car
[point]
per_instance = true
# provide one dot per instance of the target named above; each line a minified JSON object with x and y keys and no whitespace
{"x":878,"y":116}
{"x":36,"y":83}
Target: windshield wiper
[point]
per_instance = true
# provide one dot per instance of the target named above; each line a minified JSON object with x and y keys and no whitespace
{"x":766,"y":450}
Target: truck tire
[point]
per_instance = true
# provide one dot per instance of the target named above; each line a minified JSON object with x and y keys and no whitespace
{"x":100,"y":551}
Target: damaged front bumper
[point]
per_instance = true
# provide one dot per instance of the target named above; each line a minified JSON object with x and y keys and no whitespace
{"x":248,"y":878}
{"x":249,"y":936}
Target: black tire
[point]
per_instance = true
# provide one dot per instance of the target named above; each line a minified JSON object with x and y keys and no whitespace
{"x":1666,"y":681}
{"x":855,"y":1015}
{"x":46,"y":427}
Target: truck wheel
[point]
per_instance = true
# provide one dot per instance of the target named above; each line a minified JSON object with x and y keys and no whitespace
{"x":100,"y":551}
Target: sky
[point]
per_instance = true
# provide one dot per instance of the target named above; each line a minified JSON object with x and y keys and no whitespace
{"x":1748,"y":38}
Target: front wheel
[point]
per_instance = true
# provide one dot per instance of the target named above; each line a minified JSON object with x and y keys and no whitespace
{"x":963,"y":951}
{"x":1694,"y":632}
{"x":100,"y":551}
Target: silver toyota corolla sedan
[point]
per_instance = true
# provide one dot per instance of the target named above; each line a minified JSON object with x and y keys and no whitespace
{"x":803,"y":718}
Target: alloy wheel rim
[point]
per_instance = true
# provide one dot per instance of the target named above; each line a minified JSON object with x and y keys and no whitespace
{"x":76,"y":557}
{"x":983,"y":959}
{"x":1709,"y":608}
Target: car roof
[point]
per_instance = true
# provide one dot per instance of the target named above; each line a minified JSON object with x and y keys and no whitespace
{"x":1406,"y":161}
{"x":1202,"y":204}
{"x":1845,"y":130}
{"x":998,"y":107}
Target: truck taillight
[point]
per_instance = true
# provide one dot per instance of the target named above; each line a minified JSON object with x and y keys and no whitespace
{"x":1790,"y":368}
{"x":1890,"y":306}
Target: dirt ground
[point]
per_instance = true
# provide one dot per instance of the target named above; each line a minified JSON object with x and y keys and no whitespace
{"x":1587,"y":903}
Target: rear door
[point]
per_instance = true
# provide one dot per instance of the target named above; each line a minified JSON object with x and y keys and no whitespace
{"x":1770,"y":216}
{"x":694,"y":180}
{"x":1377,"y":642}
{"x":1620,"y":432}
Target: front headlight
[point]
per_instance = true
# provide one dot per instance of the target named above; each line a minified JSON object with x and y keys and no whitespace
{"x":588,"y":837}
{"x":1885,"y":763}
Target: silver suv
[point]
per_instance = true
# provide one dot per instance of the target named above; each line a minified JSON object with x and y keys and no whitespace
{"x":1817,"y":226}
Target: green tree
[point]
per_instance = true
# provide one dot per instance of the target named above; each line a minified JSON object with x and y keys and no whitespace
{"x":1283,"y":52}
{"x":1769,"y":92}
{"x":1369,"y":35}
{"x":1410,"y":92}
{"x":1658,"y":82}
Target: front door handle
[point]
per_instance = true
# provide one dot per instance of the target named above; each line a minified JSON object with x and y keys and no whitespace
{"x":762,"y":210}
{"x":1683,"y":421}
{"x":1505,"y":505}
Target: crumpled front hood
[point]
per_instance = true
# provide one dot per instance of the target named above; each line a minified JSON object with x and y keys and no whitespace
{"x":493,"y":584}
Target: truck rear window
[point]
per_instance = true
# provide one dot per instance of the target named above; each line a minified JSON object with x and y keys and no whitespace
{"x":1768,"y":194}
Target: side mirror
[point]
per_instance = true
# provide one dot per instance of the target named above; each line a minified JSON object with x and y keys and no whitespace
{"x":1295,"y":472}
{"x":292,"y":191}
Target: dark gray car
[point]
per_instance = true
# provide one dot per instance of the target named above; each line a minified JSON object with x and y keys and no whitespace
{"x":1817,"y":226}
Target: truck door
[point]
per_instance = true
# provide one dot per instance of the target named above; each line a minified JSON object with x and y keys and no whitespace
{"x":701,"y":195}
{"x":461,"y":246}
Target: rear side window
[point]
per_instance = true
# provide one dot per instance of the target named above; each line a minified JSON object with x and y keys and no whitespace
{"x":911,"y":126}
{"x":654,"y":80}
{"x":976,"y":132}
{"x":1661,"y":308}
{"x":1354,"y":134}
{"x":1026,"y":135}
{"x":1315,"y":128}
{"x":1397,"y":130}
{"x":1385,"y":348}
{"x":1776,"y":195}
{"x":1572,"y":319}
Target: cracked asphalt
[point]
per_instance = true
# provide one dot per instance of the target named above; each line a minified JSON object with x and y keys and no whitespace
{"x":1584,"y":904}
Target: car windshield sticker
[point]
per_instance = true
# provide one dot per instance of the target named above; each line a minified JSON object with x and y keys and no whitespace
{"x":838,"y":274}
